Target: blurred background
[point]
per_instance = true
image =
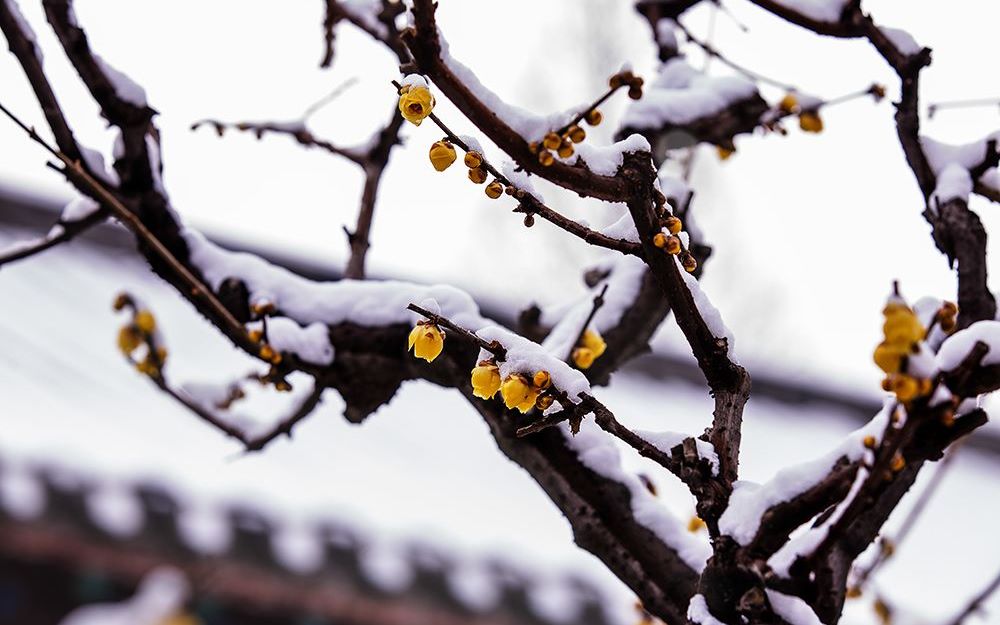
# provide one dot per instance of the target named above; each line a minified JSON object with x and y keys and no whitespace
{"x":808,"y":232}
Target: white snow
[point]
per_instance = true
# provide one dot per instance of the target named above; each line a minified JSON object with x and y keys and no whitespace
{"x":792,"y":609}
{"x":750,"y":501}
{"x":297,"y":548}
{"x":527,"y":357}
{"x":25,"y":26}
{"x":520,"y":179}
{"x":622,"y":228}
{"x":709,"y":313}
{"x":161,"y":594}
{"x":698,"y":612}
{"x":414,"y":81}
{"x":902,"y":40}
{"x":953,"y":182}
{"x":78,"y":209}
{"x":94,"y":161}
{"x":310,"y":343}
{"x":367,"y":303}
{"x":958,"y":345}
{"x":601,"y":454}
{"x":951,"y":164}
{"x":125,"y":88}
{"x":624,"y":281}
{"x":21,"y":495}
{"x":203,"y":528}
{"x":665,"y":441}
{"x":529,"y":125}
{"x":115,"y":508}
{"x":680,"y":95}
{"x":366,"y":12}
{"x":666,"y":33}
{"x":606,"y":160}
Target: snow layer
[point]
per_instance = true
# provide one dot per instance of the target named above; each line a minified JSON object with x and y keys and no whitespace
{"x":310,"y":343}
{"x":601,"y":454}
{"x":903,"y":40}
{"x":958,"y":345}
{"x":606,"y":160}
{"x":125,"y":88}
{"x":698,"y":612}
{"x":665,"y":441}
{"x":951,"y":165}
{"x":95,"y":163}
{"x":366,"y":303}
{"x":709,"y":313}
{"x":161,"y":594}
{"x":624,"y":281}
{"x":792,"y":609}
{"x":527,"y":357}
{"x":681,"y":95}
{"x":78,"y":209}
{"x":750,"y":501}
{"x":366,"y":12}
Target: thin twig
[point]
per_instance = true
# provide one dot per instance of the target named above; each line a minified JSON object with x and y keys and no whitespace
{"x":976,"y":603}
{"x":69,"y":230}
{"x":598,"y":302}
{"x":491,"y":346}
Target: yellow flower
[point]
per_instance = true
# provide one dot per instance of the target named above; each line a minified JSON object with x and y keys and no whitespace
{"x":889,"y":357}
{"x":594,"y":117}
{"x":544,"y":402}
{"x":426,"y":341}
{"x":903,"y":328}
{"x":674,"y":225}
{"x":416,"y":104}
{"x":905,"y":387}
{"x":477,"y":175}
{"x":545,"y":158}
{"x":660,"y":240}
{"x":485,"y":380}
{"x":552,"y":141}
{"x":473,"y":159}
{"x":695,"y":525}
{"x":788,"y":103}
{"x":810,"y":121}
{"x":542,"y":380}
{"x":583,"y":357}
{"x":576,"y":134}
{"x":565,"y":149}
{"x":725,"y":153}
{"x":145,"y":321}
{"x":494,"y":190}
{"x":442,"y":155}
{"x":529,"y":401}
{"x":593,"y":341}
{"x":689,"y":262}
{"x":516,"y":390}
{"x":129,"y":339}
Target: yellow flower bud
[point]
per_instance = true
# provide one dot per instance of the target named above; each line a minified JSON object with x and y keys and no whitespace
{"x":255,"y":335}
{"x":869,"y":442}
{"x":635,"y":92}
{"x":565,"y":149}
{"x":551,"y":141}
{"x":148,"y":367}
{"x":660,"y":240}
{"x":889,"y":358}
{"x":145,"y":321}
{"x":516,"y":390}
{"x":906,"y":388}
{"x":576,"y":134}
{"x":269,"y":354}
{"x":673,"y":245}
{"x":161,"y":354}
{"x":689,"y":262}
{"x":695,"y":525}
{"x":583,"y":357}
{"x":426,"y":341}
{"x":897,"y":463}
{"x":473,"y":159}
{"x":724,"y":153}
{"x":594,"y":117}
{"x":416,"y":104}
{"x":788,"y":103}
{"x":282,"y":386}
{"x":810,"y":121}
{"x":485,"y":380}
{"x":903,"y":328}
{"x":542,"y":380}
{"x":593,"y":341}
{"x":674,"y":225}
{"x":545,"y":158}
{"x":121,"y":301}
{"x":477,"y":175}
{"x":442,"y":155}
{"x":544,"y":402}
{"x":494,"y":190}
{"x":129,"y":339}
{"x":853,"y":592}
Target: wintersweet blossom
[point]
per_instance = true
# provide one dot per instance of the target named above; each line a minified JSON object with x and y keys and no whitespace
{"x":810,"y":121}
{"x":485,"y":379}
{"x":518,"y":392}
{"x":426,"y":341}
{"x":442,"y":155}
{"x":415,"y":104}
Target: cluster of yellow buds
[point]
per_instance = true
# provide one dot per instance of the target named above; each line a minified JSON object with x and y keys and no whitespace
{"x":668,"y":241}
{"x":589,"y":349}
{"x":265,"y":351}
{"x":560,"y":142}
{"x":415,"y":102}
{"x":903,"y":334}
{"x":426,"y":340}
{"x":809,"y":119}
{"x":947,"y":317}
{"x":627,"y":78}
{"x":140,"y":331}
{"x":442,"y":155}
{"x":524,"y":393}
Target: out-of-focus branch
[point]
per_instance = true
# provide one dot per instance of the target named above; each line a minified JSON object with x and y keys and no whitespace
{"x":66,"y":231}
{"x":976,"y":603}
